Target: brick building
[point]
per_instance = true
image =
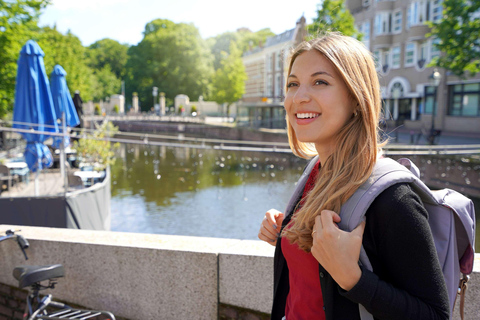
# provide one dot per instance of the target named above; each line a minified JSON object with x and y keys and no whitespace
{"x":395,"y":31}
{"x":262,"y":102}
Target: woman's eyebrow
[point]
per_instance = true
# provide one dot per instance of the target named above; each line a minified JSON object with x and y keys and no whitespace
{"x":321,"y":73}
{"x":314,"y":74}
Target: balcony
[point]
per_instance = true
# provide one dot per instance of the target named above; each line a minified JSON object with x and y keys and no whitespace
{"x":384,"y":5}
{"x":383,"y":41}
{"x":418,"y":32}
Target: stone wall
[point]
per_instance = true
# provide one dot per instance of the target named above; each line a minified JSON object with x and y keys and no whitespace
{"x":142,"y":276}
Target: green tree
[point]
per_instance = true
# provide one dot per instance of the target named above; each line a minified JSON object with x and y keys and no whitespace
{"x":458,"y":34}
{"x":67,"y":50}
{"x":18,"y":22}
{"x":333,"y":15}
{"x":243,"y":38}
{"x":249,"y":40}
{"x":104,"y":83}
{"x":229,"y":80}
{"x":108,"y":52}
{"x":95,"y":149}
{"x":172,"y":57}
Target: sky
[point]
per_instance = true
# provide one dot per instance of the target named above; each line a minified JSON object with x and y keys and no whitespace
{"x":125,"y":20}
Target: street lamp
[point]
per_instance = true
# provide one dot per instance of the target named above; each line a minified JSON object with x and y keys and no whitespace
{"x":434,"y":80}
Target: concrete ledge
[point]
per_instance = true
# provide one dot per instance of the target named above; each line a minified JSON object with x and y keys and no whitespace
{"x":144,"y":276}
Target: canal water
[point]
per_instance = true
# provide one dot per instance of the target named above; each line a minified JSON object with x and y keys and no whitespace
{"x":218,"y":193}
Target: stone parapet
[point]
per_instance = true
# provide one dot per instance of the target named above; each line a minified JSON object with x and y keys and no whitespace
{"x":145,"y":276}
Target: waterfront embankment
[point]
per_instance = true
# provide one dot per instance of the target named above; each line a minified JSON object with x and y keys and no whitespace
{"x":145,"y":276}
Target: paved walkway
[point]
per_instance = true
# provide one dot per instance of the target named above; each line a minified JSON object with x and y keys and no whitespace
{"x":402,"y":136}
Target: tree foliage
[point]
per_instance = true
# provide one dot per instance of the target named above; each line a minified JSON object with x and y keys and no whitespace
{"x":108,"y":52}
{"x":228,"y":83}
{"x":458,"y":34}
{"x":67,"y":50}
{"x":333,"y":15}
{"x":243,"y":38}
{"x":95,"y":148}
{"x":18,"y":22}
{"x":172,"y":57}
{"x":105,"y":83}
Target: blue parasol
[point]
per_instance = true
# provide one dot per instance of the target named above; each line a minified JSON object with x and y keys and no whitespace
{"x":33,"y":109}
{"x":63,"y":102}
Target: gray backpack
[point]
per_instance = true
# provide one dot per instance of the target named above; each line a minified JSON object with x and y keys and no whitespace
{"x":451,"y":219}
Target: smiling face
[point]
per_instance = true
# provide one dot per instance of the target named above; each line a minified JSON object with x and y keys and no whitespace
{"x":317,"y":101}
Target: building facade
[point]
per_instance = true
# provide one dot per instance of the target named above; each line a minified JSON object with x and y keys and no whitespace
{"x":395,"y":32}
{"x":262,"y":103}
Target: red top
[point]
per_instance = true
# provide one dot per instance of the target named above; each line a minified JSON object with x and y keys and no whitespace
{"x":304,"y":300}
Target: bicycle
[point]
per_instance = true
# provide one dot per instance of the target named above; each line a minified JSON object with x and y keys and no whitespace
{"x":45,"y":307}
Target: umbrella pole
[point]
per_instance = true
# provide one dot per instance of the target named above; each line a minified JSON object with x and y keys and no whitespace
{"x":62,"y":154}
{"x":36,"y":183}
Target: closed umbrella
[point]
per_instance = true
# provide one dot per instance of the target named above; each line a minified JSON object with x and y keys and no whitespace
{"x":62,"y":101}
{"x":33,"y":108}
{"x":65,"y":110}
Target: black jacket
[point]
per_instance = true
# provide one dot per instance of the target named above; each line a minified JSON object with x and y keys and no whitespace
{"x":407,"y":282}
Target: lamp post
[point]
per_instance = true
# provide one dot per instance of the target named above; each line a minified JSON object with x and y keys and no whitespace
{"x":434,"y":80}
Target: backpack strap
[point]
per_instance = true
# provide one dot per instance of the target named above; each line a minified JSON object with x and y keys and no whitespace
{"x":386,"y":173}
{"x":297,"y":193}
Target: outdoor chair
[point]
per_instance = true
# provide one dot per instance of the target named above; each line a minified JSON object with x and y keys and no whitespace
{"x":74,"y":181}
{"x":6,"y":176}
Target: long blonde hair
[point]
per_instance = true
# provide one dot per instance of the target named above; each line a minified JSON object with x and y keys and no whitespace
{"x":357,"y":147}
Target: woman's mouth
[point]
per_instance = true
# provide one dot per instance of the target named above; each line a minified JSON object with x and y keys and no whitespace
{"x":306,"y":117}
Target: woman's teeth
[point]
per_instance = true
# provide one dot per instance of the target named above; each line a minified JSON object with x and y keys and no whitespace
{"x":307,"y":115}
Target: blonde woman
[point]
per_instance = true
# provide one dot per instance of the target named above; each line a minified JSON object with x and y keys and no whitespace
{"x":333,"y":108}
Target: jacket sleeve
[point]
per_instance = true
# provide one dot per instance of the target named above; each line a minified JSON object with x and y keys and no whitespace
{"x":407,"y":281}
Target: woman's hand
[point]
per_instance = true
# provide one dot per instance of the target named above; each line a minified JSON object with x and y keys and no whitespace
{"x":271,"y":226}
{"x":336,"y":250}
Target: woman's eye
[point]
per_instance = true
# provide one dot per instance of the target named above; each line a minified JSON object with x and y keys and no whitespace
{"x":320,"y":82}
{"x":291,"y":84}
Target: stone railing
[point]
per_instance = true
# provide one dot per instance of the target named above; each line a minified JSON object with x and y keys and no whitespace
{"x":144,"y":276}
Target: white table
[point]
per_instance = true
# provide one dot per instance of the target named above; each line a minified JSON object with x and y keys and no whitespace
{"x":18,"y":168}
{"x":90,"y":177}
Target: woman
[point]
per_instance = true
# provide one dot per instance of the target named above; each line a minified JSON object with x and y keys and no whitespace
{"x":333,"y":108}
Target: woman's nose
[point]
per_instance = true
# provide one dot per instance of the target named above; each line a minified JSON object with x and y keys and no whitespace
{"x":301,"y":95}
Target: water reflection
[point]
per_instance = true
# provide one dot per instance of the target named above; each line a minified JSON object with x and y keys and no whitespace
{"x":200,"y":192}
{"x":214,"y":193}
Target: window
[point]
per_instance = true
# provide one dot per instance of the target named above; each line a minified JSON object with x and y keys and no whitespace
{"x":430,"y":99}
{"x":423,"y":10}
{"x":422,"y":55}
{"x":278,"y":86}
{"x":377,"y":59}
{"x":269,"y":63}
{"x":268,"y":93}
{"x":396,"y":57}
{"x":385,"y":60}
{"x":366,"y":31}
{"x":409,"y":54}
{"x":397,"y":21}
{"x":465,"y":100}
{"x":383,"y":23}
{"x":437,"y":10}
{"x":434,"y":51}
{"x":279,"y":61}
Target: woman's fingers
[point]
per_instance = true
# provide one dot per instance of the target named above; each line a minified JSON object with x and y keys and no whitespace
{"x":270,"y":226}
{"x":337,"y":250}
